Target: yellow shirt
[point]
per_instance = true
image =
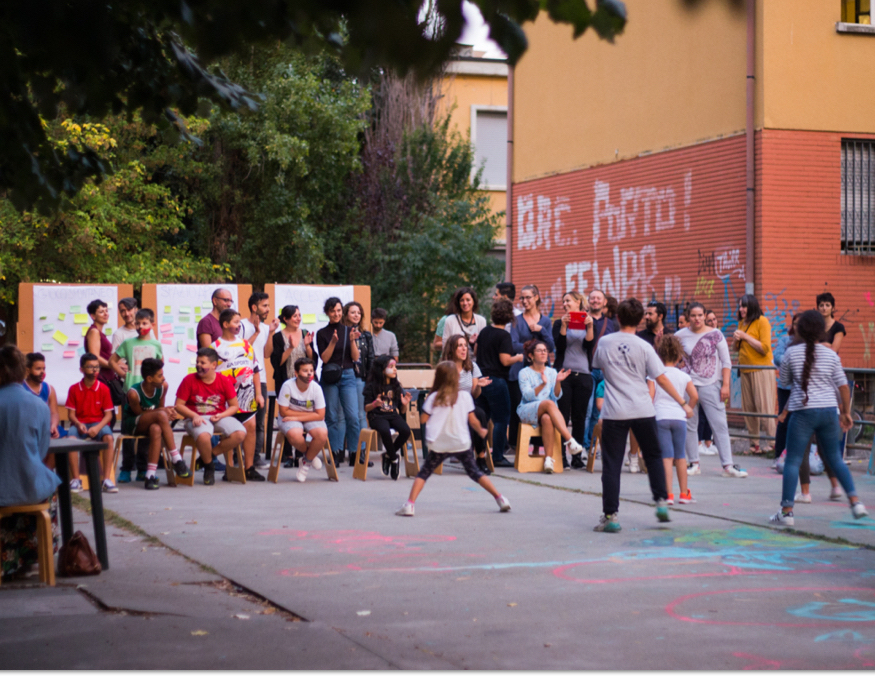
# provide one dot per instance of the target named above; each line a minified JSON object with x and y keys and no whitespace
{"x":760,"y":330}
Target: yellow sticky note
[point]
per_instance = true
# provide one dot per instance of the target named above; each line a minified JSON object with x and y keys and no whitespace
{"x":84,"y":330}
{"x":308,"y":319}
{"x":167,"y":309}
{"x":60,"y":337}
{"x":192,"y":370}
{"x":61,"y":316}
{"x":80,"y":319}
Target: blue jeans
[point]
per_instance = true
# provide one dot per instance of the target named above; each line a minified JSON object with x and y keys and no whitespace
{"x":341,"y":401}
{"x":494,"y":399}
{"x":592,"y":413}
{"x":824,"y":424}
{"x":363,"y":418}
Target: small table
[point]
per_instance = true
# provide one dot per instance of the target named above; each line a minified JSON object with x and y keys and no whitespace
{"x":91,"y":449}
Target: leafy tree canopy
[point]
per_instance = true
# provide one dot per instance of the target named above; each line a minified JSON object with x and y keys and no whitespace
{"x":152,"y":56}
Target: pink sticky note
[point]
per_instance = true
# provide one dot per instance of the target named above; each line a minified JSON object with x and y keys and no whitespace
{"x":73,"y":343}
{"x":69,"y":354}
{"x":167,"y":328}
{"x":173,"y":360}
{"x":166,"y":341}
{"x":191,"y":348}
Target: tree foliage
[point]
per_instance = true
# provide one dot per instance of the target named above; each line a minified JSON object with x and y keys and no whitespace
{"x":154,"y":56}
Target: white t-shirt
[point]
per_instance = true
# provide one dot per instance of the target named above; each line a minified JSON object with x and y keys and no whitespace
{"x":437,"y":420}
{"x":466,"y":378}
{"x":258,"y":344}
{"x":626,"y":362}
{"x":666,"y":407}
{"x":308,"y":401}
{"x":122,"y":334}
{"x":454,"y":325}
{"x":706,"y":355}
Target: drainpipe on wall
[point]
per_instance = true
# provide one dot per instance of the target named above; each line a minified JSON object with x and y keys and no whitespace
{"x":750,"y":181}
{"x":508,"y":212}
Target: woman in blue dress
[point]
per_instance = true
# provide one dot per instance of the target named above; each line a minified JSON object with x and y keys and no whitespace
{"x":541,"y":388}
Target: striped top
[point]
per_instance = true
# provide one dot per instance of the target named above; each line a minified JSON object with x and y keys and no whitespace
{"x":826,"y":377}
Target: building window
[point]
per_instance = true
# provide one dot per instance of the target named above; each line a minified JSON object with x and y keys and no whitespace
{"x":858,"y":197}
{"x":489,"y":138}
{"x":856,"y":11}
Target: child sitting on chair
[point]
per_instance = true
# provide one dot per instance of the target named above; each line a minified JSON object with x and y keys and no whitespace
{"x":302,"y":412}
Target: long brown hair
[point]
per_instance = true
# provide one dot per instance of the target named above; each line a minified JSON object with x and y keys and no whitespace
{"x":446,"y":384}
{"x":449,"y":351}
{"x":345,"y":320}
{"x":810,"y":329}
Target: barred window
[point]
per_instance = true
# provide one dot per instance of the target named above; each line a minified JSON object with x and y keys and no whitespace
{"x":858,"y":197}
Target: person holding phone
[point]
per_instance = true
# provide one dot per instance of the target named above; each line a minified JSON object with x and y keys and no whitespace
{"x":574,"y":352}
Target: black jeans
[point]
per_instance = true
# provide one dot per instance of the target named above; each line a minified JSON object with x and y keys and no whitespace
{"x":781,"y":429}
{"x":576,"y":391}
{"x":132,"y":452}
{"x":384,"y":424}
{"x":704,"y":431}
{"x":614,"y":434}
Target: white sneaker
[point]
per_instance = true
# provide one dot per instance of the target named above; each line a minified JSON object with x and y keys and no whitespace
{"x":707,"y":450}
{"x":303,"y":469}
{"x":633,"y":464}
{"x":75,"y":486}
{"x":836,"y":494}
{"x":733,"y":471}
{"x":858,"y":509}
{"x":407,"y":509}
{"x":781,"y":519}
{"x":503,"y":503}
{"x":548,"y":465}
{"x":574,"y":446}
{"x":109,"y":486}
{"x":803,"y":497}
{"x":693,"y":469}
{"x":316,"y":462}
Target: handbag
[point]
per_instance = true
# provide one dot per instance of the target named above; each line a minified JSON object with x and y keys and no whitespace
{"x":77,"y":558}
{"x":116,"y":391}
{"x":331,"y":372}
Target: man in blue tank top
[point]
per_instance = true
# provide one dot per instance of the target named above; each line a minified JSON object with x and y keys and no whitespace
{"x":35,"y":383}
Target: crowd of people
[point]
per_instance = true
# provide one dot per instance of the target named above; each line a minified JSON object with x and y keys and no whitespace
{"x":607,"y":370}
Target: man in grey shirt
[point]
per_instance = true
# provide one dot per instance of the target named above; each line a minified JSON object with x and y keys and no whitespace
{"x":626,"y":362}
{"x":384,"y":340}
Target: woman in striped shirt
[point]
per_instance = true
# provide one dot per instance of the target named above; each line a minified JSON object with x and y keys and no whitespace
{"x":813,"y":372}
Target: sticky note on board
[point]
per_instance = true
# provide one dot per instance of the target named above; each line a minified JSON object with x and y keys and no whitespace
{"x":75,"y":308}
{"x":167,"y":319}
{"x":185,"y":310}
{"x":179,"y":346}
{"x":197,"y":310}
{"x":48,"y":347}
{"x":60,"y":337}
{"x":166,"y":328}
{"x":173,"y":360}
{"x":191,"y":348}
{"x":61,"y":316}
{"x":190,"y":334}
{"x":323,"y":318}
{"x":192,"y":370}
{"x":73,"y":343}
{"x":194,"y":360}
{"x":197,"y":318}
{"x":166,"y":341}
{"x":43,"y":317}
{"x":107,"y":331}
{"x":308,"y":319}
{"x":80,"y":319}
{"x":167,"y":310}
{"x":184,"y":319}
{"x":48,"y":327}
{"x":84,"y":330}
{"x":69,"y":354}
{"x":179,"y":330}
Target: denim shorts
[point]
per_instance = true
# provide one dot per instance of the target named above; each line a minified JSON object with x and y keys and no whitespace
{"x":103,"y":432}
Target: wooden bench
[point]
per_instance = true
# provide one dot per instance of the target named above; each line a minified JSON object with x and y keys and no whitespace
{"x":45,"y":553}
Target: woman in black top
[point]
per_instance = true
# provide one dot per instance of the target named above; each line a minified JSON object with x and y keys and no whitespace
{"x":289,"y":345}
{"x":835,"y":331}
{"x":495,"y":356}
{"x":338,"y":350}
{"x":386,"y":405}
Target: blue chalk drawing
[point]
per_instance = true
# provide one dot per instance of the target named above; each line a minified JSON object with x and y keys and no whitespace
{"x":818,"y":610}
{"x":844,"y":635}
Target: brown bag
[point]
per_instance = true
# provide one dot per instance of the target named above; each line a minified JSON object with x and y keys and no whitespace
{"x":77,"y":558}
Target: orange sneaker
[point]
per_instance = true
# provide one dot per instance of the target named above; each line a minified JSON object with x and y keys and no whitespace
{"x":686,"y":498}
{"x":670,"y":500}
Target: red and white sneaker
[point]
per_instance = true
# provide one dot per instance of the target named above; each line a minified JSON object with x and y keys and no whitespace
{"x":686,"y":498}
{"x":670,"y":500}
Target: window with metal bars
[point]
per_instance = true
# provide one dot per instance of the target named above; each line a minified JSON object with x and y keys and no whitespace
{"x":858,"y":197}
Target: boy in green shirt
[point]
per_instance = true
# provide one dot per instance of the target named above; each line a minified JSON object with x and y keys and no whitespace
{"x":135,"y":350}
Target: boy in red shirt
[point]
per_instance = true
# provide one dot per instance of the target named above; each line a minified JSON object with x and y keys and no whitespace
{"x":90,"y":408}
{"x":207,"y":401}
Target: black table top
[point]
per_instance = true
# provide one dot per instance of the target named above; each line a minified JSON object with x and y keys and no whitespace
{"x":74,"y":445}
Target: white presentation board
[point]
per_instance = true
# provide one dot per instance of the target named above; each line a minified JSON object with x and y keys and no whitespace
{"x":179,"y":308}
{"x":60,"y":320}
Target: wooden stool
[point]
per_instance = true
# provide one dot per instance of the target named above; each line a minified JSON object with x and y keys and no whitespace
{"x":276,"y":458}
{"x":370,"y":438}
{"x":411,"y":467}
{"x":187,"y":440}
{"x":234,"y":473}
{"x":168,"y":467}
{"x":43,"y":537}
{"x":596,"y":440}
{"x":526,"y":463}
{"x":117,"y":451}
{"x":489,"y":463}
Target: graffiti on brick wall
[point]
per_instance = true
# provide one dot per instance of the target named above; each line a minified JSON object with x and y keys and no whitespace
{"x":779,"y":311}
{"x":540,"y":225}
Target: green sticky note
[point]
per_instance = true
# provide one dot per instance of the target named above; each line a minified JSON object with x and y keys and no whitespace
{"x":191,"y":334}
{"x":48,"y":347}
{"x":185,"y":310}
{"x":75,"y":308}
{"x":43,"y":317}
{"x":48,"y":327}
{"x":197,"y":318}
{"x":323,"y":318}
{"x":184,"y":319}
{"x":192,"y":370}
{"x":197,"y":310}
{"x":61,"y":316}
{"x":107,"y":331}
{"x":179,"y":346}
{"x":167,"y":309}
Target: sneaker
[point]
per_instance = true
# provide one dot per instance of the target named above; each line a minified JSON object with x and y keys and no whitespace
{"x":548,"y":466}
{"x":301,"y":474}
{"x":482,"y":466}
{"x":781,"y":519}
{"x":662,"y":511}
{"x":858,"y":509}
{"x":707,"y":450}
{"x":578,"y":461}
{"x":152,"y":483}
{"x":141,"y":475}
{"x":260,"y":462}
{"x":109,"y":486}
{"x":633,"y":464}
{"x":395,"y":468}
{"x":503,"y":503}
{"x":574,"y":446}
{"x":733,"y":471}
{"x":210,"y":473}
{"x":803,"y":497}
{"x":180,"y":469}
{"x":608,"y":523}
{"x":670,"y":500}
{"x":686,"y":498}
{"x":406,"y":510}
{"x":387,"y":464}
{"x":124,"y":477}
{"x":75,"y":486}
{"x":316,"y":462}
{"x":836,"y":494}
{"x":253,"y":475}
{"x":693,"y":469}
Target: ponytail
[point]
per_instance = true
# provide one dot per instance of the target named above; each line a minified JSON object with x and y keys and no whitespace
{"x":810,"y":329}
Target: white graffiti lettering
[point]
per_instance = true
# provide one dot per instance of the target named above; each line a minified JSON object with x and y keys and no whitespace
{"x":542,"y":227}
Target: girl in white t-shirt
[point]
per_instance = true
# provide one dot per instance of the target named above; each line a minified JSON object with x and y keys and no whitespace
{"x":449,"y":412}
{"x":671,"y":421}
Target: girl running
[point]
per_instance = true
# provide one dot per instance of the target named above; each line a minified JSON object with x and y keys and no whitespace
{"x":450,"y":412}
